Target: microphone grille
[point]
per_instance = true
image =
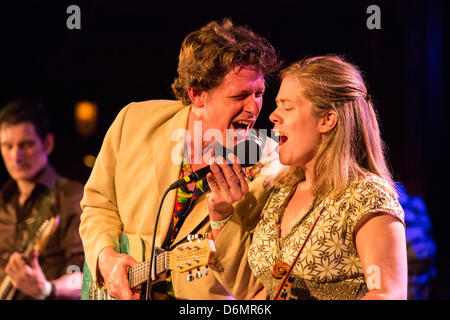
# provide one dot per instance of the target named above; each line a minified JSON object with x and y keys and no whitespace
{"x":248,"y":152}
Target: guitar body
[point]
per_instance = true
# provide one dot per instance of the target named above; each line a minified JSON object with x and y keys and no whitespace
{"x":7,"y":291}
{"x":131,"y":245}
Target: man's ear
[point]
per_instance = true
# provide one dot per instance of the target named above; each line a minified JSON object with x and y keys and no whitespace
{"x":49,"y":143}
{"x":197,"y":97}
{"x":328,"y":121}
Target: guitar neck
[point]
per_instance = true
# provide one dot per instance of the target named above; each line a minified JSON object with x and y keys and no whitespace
{"x":140,"y":273}
{"x":184,"y":257}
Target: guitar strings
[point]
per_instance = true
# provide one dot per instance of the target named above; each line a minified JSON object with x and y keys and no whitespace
{"x":139,"y":273}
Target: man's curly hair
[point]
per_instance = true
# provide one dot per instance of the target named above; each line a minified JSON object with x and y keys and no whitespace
{"x":208,"y":54}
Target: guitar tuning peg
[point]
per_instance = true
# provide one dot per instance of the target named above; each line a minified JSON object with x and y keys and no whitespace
{"x":291,"y":278}
{"x":206,"y":270}
{"x":198,"y":274}
{"x":190,"y":237}
{"x":283,"y":294}
{"x":198,"y":236}
{"x":190,"y":277}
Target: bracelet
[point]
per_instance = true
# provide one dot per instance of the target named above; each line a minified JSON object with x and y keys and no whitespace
{"x":219,"y":224}
{"x":52,"y":294}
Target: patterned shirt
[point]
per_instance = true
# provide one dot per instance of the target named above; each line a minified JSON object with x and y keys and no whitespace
{"x":184,"y":202}
{"x":329,"y":266}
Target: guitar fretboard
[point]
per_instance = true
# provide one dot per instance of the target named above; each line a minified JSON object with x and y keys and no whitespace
{"x":139,"y":273}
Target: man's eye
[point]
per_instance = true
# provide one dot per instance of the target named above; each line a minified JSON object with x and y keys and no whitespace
{"x":6,"y":146}
{"x":26,"y":145}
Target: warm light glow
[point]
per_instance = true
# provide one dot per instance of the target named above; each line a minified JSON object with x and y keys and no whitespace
{"x":89,"y":160}
{"x":85,"y":111}
{"x":86,"y":118}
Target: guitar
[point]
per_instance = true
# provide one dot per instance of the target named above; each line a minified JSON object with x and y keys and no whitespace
{"x":41,"y":238}
{"x":184,"y":257}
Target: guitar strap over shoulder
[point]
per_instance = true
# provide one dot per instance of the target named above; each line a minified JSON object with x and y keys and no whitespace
{"x":199,"y":226}
{"x":283,"y":270}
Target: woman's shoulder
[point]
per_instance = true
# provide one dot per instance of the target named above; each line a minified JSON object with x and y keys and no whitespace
{"x":372,"y":184}
{"x":372,"y":194}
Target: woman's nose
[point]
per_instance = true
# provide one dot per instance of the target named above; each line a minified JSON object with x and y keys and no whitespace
{"x":274,"y":117}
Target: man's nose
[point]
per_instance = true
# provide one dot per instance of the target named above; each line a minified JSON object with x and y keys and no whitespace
{"x":253,"y":106}
{"x":17,"y":154}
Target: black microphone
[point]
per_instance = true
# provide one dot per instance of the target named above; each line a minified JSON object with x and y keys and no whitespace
{"x":248,"y":152}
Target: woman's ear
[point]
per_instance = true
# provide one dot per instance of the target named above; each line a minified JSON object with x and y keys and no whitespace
{"x":197,"y":97}
{"x":328,"y":121}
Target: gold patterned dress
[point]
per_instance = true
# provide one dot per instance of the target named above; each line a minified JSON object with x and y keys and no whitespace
{"x":329,"y":266}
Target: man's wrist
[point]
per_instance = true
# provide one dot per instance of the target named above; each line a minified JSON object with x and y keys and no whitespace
{"x":217,"y":225}
{"x":47,"y":291}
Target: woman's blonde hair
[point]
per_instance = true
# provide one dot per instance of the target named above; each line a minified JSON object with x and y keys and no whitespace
{"x":353,"y":148}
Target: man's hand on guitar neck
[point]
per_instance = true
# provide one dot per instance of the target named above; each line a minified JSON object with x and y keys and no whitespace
{"x":28,"y":278}
{"x":113,"y":267}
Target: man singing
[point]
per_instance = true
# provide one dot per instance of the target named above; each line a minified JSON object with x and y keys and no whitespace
{"x":219,"y":87}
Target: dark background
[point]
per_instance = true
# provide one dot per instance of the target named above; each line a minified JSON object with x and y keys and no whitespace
{"x":127,"y":51}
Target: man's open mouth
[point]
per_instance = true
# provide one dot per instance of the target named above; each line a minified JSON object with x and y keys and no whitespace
{"x":242,"y":125}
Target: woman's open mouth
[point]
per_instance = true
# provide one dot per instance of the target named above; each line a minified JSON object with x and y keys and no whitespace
{"x":282,"y":140}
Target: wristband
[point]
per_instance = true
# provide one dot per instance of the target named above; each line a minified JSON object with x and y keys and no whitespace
{"x":52,"y":294}
{"x":46,"y":292}
{"x":219,"y":224}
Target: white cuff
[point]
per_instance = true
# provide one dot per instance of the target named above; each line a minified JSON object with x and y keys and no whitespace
{"x":46,"y":292}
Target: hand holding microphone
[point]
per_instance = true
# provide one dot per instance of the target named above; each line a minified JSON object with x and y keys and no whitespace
{"x":226,"y":180}
{"x":227,"y":186}
{"x":247,"y":152}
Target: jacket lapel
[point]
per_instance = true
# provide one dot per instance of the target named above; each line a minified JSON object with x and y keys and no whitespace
{"x":167,"y":150}
{"x":198,"y":213}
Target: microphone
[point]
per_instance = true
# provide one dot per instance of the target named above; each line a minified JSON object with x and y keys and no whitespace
{"x":248,"y":152}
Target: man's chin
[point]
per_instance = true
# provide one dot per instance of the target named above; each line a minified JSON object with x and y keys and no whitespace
{"x":22,"y":176}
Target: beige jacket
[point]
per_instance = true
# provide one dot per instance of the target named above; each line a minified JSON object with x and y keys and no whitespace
{"x":131,"y":173}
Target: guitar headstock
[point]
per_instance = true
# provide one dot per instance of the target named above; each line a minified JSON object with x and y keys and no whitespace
{"x":192,"y":254}
{"x":45,"y":232}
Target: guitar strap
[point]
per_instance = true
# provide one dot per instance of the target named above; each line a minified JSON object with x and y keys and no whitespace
{"x":282,"y":269}
{"x":200,"y":225}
